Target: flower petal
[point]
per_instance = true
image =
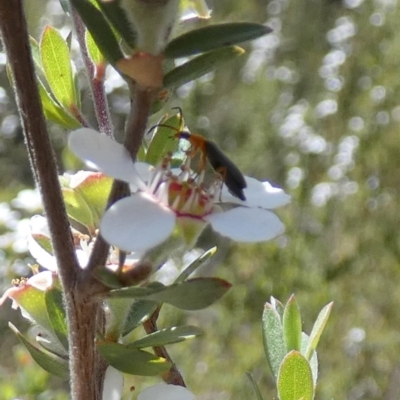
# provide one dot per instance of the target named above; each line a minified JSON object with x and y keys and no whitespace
{"x":39,"y":226}
{"x":113,"y":384}
{"x":103,"y":153}
{"x":137,"y":223}
{"x":162,"y":391}
{"x":247,"y":224}
{"x":258,"y":194}
{"x":42,"y":257}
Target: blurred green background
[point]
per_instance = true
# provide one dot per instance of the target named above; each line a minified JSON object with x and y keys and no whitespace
{"x":314,"y":108}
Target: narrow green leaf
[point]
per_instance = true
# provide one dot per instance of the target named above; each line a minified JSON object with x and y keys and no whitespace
{"x":292,"y":325}
{"x":163,"y":141}
{"x":194,"y":294}
{"x":56,"y":62}
{"x":94,"y":53}
{"x":132,"y":361}
{"x":274,"y":343}
{"x":35,"y":50}
{"x":108,"y":278}
{"x":57,"y":316}
{"x":99,"y":28}
{"x":140,"y":312}
{"x":305,"y":340}
{"x":166,"y":336}
{"x":51,"y":344}
{"x":48,"y":362}
{"x":118,"y":311}
{"x":212,"y":37}
{"x":119,"y":20}
{"x":32,"y":300}
{"x":53,"y":112}
{"x":278,"y":306}
{"x":294,"y":379}
{"x":201,"y":65}
{"x":94,"y":190}
{"x":255,"y":386}
{"x":195,"y":264}
{"x":78,"y":209}
{"x":317,"y":329}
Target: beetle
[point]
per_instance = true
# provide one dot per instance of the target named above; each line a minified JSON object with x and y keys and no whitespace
{"x":221,"y":163}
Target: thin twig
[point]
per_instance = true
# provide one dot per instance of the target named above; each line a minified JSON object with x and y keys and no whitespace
{"x":172,"y":376}
{"x":96,"y":81}
{"x":135,"y":130}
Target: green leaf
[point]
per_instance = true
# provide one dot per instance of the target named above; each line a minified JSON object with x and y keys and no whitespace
{"x":255,"y":386}
{"x":119,"y":20}
{"x":108,"y":278}
{"x":278,"y":306}
{"x":274,"y":343}
{"x":194,"y":294}
{"x":132,"y":361}
{"x":99,"y":28}
{"x":195,"y":264}
{"x":212,"y":37}
{"x":305,"y":340}
{"x":44,"y":242}
{"x":167,"y":336}
{"x":163,"y":141}
{"x":140,"y":312}
{"x":294,"y":379}
{"x":57,"y":66}
{"x":201,"y":65}
{"x":57,"y":316}
{"x":53,"y":112}
{"x":32,"y":300}
{"x":317,"y":330}
{"x":94,"y":53}
{"x":35,"y":51}
{"x":292,"y":325}
{"x":48,"y":362}
{"x":94,"y":189}
{"x":78,"y":209}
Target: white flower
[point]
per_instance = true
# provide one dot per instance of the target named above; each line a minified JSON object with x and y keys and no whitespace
{"x":162,"y":391}
{"x":83,"y":248}
{"x":113,"y":384}
{"x":164,"y":199}
{"x":41,"y":281}
{"x":40,"y":231}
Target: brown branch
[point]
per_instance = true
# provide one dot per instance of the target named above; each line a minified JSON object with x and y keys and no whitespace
{"x":172,"y":376}
{"x":86,"y":368}
{"x":135,"y":129}
{"x":16,"y":43}
{"x":96,"y":85}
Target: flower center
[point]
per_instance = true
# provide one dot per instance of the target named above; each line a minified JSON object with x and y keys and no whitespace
{"x":184,"y":190}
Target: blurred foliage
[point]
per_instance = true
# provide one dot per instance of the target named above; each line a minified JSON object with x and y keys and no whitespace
{"x":314,"y":108}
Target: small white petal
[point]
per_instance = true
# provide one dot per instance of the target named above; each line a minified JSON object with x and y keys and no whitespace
{"x":144,"y":171}
{"x":162,"y":391}
{"x":39,"y":226}
{"x":137,"y":223}
{"x":258,"y":194}
{"x":42,"y":280}
{"x":102,"y":153}
{"x":42,"y":257}
{"x":247,"y":224}
{"x":113,"y":384}
{"x":74,"y":180}
{"x":83,"y":258}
